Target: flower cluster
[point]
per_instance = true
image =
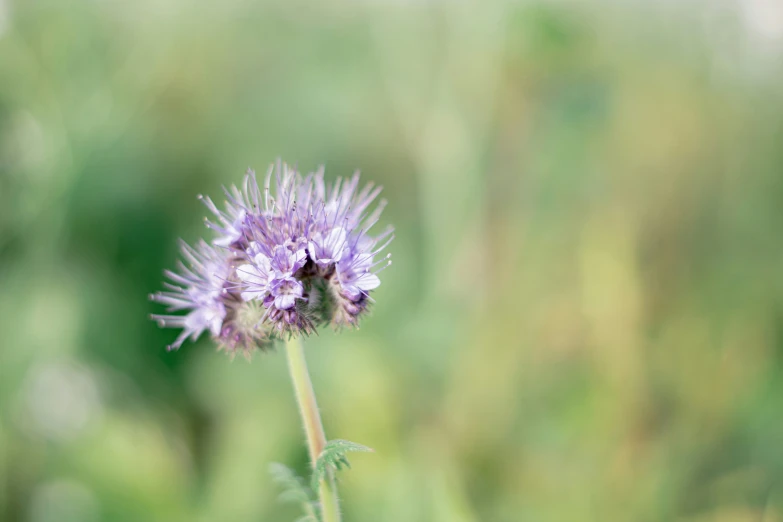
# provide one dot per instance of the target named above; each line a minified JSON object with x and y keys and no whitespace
{"x":288,"y":257}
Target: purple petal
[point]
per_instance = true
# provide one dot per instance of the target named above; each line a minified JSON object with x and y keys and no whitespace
{"x":367,"y":281}
{"x":285,"y":301}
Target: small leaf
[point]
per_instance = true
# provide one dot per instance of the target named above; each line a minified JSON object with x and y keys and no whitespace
{"x":334,"y":457}
{"x":294,"y":490}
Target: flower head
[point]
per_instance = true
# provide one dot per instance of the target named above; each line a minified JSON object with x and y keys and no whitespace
{"x":288,"y":257}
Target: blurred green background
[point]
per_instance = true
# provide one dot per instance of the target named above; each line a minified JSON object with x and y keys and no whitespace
{"x":584,"y":321}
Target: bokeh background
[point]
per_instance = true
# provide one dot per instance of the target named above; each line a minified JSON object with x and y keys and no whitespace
{"x":584,"y":321}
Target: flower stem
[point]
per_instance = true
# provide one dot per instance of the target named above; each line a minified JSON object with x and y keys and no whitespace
{"x":314,"y":430}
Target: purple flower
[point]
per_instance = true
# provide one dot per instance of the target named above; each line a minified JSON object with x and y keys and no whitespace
{"x":357,"y":275}
{"x":255,"y":276}
{"x":198,"y":288}
{"x":286,"y":290}
{"x":326,"y":249}
{"x":231,"y":224}
{"x":284,"y":287}
{"x":292,"y":255}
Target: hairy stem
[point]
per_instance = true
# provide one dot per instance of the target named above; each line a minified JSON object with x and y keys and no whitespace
{"x":314,"y":430}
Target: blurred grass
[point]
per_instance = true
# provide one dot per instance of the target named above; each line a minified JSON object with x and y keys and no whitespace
{"x":584,"y":317}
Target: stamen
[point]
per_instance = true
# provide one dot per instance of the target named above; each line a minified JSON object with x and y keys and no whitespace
{"x":384,"y":260}
{"x":383,"y":268}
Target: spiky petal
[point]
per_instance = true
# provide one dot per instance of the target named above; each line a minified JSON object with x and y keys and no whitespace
{"x":197,"y":288}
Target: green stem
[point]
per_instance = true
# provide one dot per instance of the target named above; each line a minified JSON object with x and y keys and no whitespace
{"x":314,"y":430}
